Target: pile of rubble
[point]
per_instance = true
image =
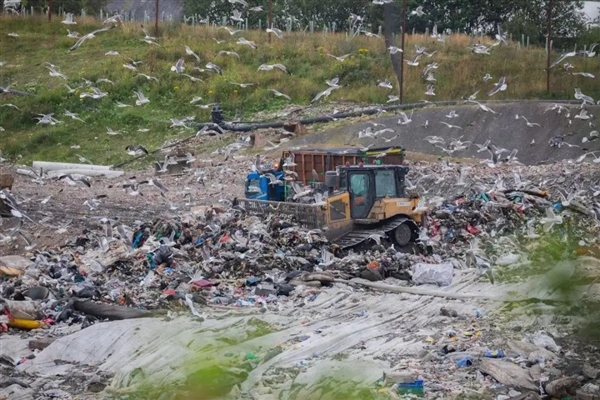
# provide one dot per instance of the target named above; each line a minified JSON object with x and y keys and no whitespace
{"x":222,"y":257}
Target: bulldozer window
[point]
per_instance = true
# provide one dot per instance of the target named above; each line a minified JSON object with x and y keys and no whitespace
{"x":385,"y":183}
{"x":360,"y":197}
{"x":359,"y":184}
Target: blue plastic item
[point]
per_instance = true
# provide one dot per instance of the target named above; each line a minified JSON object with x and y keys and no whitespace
{"x":494,"y":353}
{"x":259,"y":187}
{"x":415,"y":387}
{"x":252,"y":281}
{"x":464,"y":362}
{"x":151,"y":262}
{"x":136,"y":241}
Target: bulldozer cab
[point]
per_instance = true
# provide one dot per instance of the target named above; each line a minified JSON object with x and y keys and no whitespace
{"x":368,"y":184}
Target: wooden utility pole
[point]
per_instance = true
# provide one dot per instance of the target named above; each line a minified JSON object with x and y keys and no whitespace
{"x":50,"y":11}
{"x":270,"y":18}
{"x":549,"y":46}
{"x":156,"y":21}
{"x":402,"y":53}
{"x":390,"y":40}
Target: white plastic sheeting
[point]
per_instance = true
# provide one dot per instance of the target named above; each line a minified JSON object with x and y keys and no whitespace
{"x":364,"y":326}
{"x":437,"y":274}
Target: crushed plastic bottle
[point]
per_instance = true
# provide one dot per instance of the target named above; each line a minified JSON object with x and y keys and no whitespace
{"x":494,"y":353}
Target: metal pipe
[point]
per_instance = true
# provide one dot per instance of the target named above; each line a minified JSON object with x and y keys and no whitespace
{"x":402,"y":53}
{"x":237,"y":127}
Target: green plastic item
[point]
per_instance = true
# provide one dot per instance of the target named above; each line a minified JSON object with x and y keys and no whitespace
{"x":251,"y":356}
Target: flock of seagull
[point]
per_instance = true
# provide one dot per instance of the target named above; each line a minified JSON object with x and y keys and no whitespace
{"x":375,"y":133}
{"x":98,"y":90}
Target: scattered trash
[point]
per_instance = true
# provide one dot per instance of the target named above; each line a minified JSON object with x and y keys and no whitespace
{"x":464,"y":362}
{"x":439,"y":274}
{"x":407,"y":388}
{"x":541,"y":339}
{"x":227,"y":259}
{"x":494,"y":353}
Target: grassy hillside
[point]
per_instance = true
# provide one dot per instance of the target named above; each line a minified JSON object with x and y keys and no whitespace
{"x":459,"y":74}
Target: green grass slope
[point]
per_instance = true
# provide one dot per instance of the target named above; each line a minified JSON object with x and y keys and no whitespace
{"x":459,"y":74}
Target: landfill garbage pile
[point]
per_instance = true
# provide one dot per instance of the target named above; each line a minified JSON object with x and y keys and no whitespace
{"x":218,"y":256}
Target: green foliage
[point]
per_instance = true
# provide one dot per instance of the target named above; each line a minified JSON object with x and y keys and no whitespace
{"x":304,"y":54}
{"x":527,"y":17}
{"x":531,"y":20}
{"x":554,"y":268}
{"x":589,"y":36}
{"x":92,"y":7}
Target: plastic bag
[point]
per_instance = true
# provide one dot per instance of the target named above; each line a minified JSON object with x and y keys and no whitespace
{"x":541,"y":339}
{"x":439,"y":274}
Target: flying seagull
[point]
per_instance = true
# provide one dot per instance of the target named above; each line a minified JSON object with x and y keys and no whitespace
{"x":418,"y":11}
{"x":73,"y":115}
{"x":279,"y":94}
{"x":142,"y":99}
{"x":529,"y":124}
{"x":562,"y":57}
{"x":583,"y":97}
{"x":69,"y":19}
{"x":500,"y":36}
{"x":414,"y":62}
{"x":55,"y":73}
{"x":146,"y":34}
{"x":482,"y":106}
{"x":90,"y":35}
{"x":276,"y":32}
{"x":73,"y":34}
{"x":231,"y":31}
{"x":228,"y":53}
{"x":499,"y":87}
{"x":449,"y":125}
{"x":178,"y":67}
{"x":247,"y":42}
{"x":324,"y":93}
{"x":340,"y":58}
{"x":385,"y":84}
{"x":215,"y":68}
{"x":190,"y":52}
{"x":270,"y":67}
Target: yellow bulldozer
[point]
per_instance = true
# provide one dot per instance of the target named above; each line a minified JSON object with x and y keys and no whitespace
{"x":362,"y":200}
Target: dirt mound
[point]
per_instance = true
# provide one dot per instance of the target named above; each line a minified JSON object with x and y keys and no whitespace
{"x":476,"y":125}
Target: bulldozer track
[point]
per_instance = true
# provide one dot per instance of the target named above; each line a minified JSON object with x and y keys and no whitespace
{"x":356,"y":237}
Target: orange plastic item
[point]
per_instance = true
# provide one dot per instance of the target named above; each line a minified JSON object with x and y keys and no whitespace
{"x":24,"y":323}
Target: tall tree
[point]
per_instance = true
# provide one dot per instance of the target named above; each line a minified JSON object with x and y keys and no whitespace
{"x":474,"y":16}
{"x":532,"y":19}
{"x":75,"y":6}
{"x":322,"y":12}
